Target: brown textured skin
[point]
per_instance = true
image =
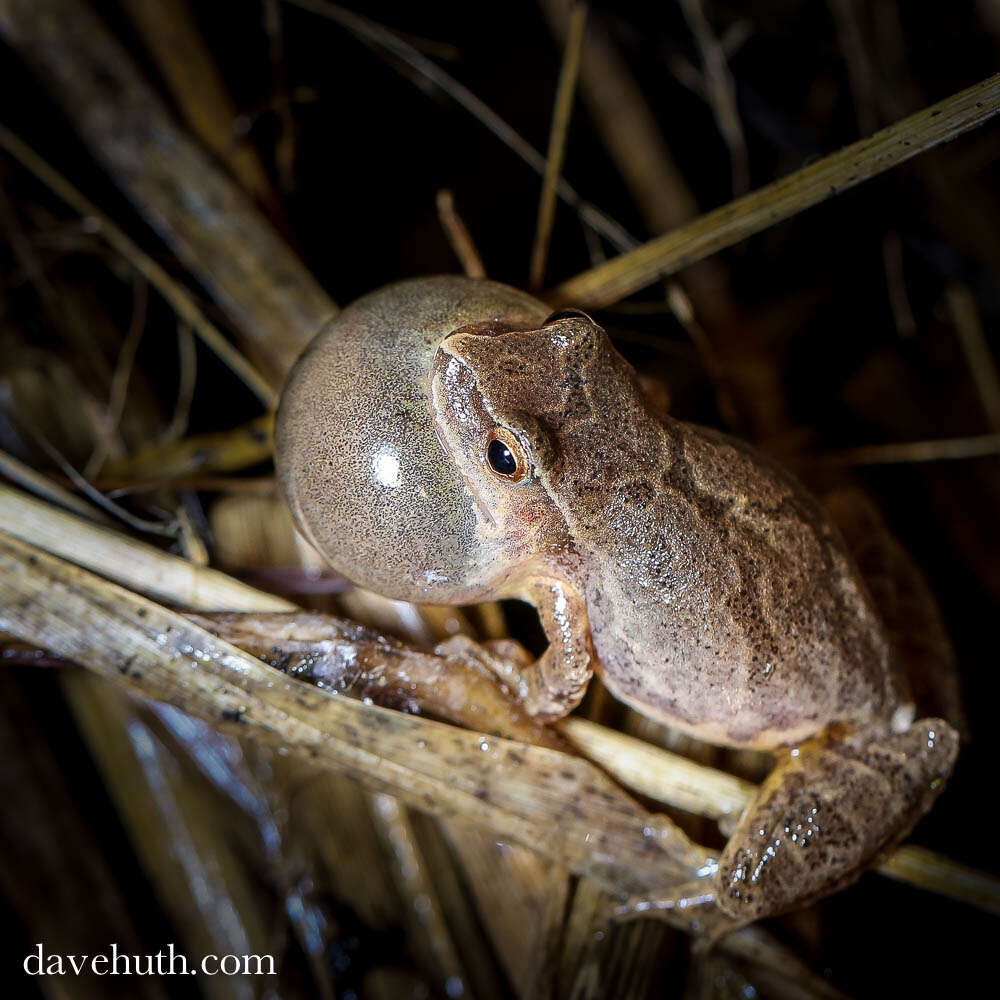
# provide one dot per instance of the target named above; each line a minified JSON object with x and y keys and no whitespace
{"x":713,"y":590}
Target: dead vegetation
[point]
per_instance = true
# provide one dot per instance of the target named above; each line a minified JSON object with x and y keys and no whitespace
{"x":274,"y":774}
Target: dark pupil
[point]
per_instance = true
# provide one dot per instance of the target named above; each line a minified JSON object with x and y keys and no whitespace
{"x":500,"y":459}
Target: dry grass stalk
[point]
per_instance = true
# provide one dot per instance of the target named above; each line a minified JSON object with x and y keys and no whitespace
{"x":172,"y":291}
{"x":459,"y":236}
{"x":426,"y":927}
{"x":377,"y":668}
{"x":720,"y":90}
{"x":271,"y":299}
{"x":172,"y":37}
{"x":523,"y":792}
{"x":219,"y":451}
{"x":761,"y":209}
{"x":135,"y":564}
{"x":660,"y":774}
{"x":509,"y":887}
{"x":540,"y":977}
{"x":461,"y":911}
{"x":977,"y":351}
{"x":944,"y":449}
{"x":918,"y":866}
{"x":561,"y":115}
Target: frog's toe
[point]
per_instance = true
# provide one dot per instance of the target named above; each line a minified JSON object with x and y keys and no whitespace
{"x":503,"y":659}
{"x":689,"y":906}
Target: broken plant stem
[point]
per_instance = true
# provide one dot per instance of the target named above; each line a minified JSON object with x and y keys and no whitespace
{"x":761,"y":209}
{"x":459,"y":236}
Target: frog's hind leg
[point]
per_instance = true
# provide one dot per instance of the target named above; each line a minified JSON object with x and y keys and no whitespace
{"x":827,"y":812}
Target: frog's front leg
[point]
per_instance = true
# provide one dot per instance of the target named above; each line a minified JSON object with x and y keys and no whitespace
{"x":827,"y":812}
{"x":554,"y":684}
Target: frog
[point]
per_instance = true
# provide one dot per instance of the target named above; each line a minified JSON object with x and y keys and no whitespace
{"x":449,"y":440}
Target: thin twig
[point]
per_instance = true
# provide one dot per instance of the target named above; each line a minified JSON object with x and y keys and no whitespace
{"x":459,"y":236}
{"x":179,"y":299}
{"x":561,"y":115}
{"x":372,"y":33}
{"x":945,"y":449}
{"x":121,"y":377}
{"x":284,"y":150}
{"x":783,"y":198}
{"x":982,"y":366}
{"x":187,"y":361}
{"x":83,"y":485}
{"x":32,"y":269}
{"x":895,"y":280}
{"x":16,"y":471}
{"x":720,"y":91}
{"x":857,"y":63}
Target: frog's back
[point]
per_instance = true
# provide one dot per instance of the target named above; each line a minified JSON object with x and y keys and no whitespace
{"x":722,"y":600}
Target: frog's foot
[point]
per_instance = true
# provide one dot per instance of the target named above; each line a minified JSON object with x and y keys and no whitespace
{"x":824,"y":816}
{"x":520,"y":675}
{"x":505,"y":660}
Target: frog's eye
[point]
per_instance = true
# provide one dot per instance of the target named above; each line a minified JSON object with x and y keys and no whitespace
{"x":505,"y":455}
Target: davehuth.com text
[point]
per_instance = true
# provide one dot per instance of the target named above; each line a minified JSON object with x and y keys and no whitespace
{"x":169,"y":962}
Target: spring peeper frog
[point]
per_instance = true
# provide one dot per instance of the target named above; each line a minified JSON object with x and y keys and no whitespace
{"x":446,"y":440}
